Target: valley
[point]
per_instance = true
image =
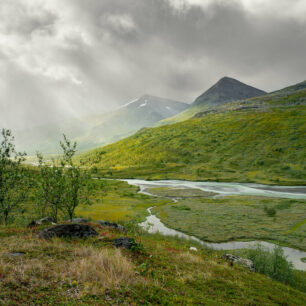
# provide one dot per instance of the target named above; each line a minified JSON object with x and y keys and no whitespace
{"x":231,"y":178}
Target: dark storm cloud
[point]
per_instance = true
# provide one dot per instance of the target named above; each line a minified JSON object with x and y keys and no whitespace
{"x":64,"y":58}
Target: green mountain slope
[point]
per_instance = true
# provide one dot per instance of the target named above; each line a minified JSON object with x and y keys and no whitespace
{"x":226,"y":90}
{"x":256,"y":140}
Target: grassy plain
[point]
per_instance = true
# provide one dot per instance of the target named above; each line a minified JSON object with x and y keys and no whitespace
{"x":239,"y":218}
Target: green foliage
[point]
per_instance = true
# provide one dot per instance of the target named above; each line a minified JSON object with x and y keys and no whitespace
{"x":14,"y":180}
{"x":77,"y":180}
{"x":181,"y":207}
{"x":61,"y":184}
{"x":273,"y":264}
{"x":270,"y":211}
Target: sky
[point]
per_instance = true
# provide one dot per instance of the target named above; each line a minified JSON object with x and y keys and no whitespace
{"x":71,"y":58}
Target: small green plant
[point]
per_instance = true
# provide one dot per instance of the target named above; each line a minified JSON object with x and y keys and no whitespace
{"x":272,"y":263}
{"x":136,"y":247}
{"x":182,"y":207}
{"x":270,"y":211}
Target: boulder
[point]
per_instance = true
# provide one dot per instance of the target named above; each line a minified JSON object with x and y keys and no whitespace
{"x":68,"y":230}
{"x":234,"y":259}
{"x":16,"y":254}
{"x":124,"y":242}
{"x":46,"y":220}
{"x":112,"y":224}
{"x":79,"y":220}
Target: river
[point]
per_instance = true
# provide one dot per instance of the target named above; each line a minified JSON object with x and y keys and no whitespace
{"x":154,"y":224}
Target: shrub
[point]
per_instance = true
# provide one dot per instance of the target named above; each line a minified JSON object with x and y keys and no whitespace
{"x":270,"y":211}
{"x":272,"y":263}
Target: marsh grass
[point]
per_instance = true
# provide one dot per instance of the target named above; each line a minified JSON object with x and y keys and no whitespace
{"x":238,"y":217}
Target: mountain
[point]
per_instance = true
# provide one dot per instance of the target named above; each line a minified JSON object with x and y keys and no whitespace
{"x":125,"y":121}
{"x":260,"y":140}
{"x":226,"y":90}
{"x":97,"y":130}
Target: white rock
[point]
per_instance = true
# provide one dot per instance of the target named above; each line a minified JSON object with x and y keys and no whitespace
{"x":193,"y":249}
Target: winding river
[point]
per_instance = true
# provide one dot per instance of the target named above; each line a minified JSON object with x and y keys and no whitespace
{"x":154,"y":224}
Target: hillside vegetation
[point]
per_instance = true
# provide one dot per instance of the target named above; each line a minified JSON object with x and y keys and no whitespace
{"x":257,"y":140}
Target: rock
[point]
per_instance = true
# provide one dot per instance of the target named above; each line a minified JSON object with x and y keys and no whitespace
{"x":46,"y":220}
{"x":17,"y":254}
{"x":193,"y":249}
{"x":68,"y":230}
{"x":234,"y":259}
{"x":79,"y":220}
{"x":112,"y":224}
{"x":32,"y":224}
{"x":124,"y":242}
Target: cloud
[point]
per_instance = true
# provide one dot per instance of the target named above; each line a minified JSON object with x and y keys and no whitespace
{"x":64,"y":58}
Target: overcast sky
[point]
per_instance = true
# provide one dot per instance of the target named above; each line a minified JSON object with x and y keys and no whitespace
{"x":62,"y":58}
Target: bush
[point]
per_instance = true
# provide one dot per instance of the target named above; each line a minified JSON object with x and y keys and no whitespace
{"x":270,"y":211}
{"x":272,"y":263}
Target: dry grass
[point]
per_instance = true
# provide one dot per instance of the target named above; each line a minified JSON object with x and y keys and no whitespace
{"x":88,"y":269}
{"x":190,"y":258}
{"x":98,"y":270}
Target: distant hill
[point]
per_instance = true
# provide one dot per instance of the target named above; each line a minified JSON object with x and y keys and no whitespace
{"x":260,"y":140}
{"x":125,"y":121}
{"x":226,"y":90}
{"x":97,"y":130}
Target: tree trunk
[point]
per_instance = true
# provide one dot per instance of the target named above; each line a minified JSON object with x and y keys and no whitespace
{"x":6,"y":218}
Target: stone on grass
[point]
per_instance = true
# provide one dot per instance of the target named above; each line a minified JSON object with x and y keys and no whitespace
{"x":112,"y":224}
{"x":16,"y":254}
{"x":69,"y":231}
{"x":46,"y":220}
{"x":79,"y":220}
{"x":124,"y":242}
{"x":234,"y":259}
{"x":193,"y":249}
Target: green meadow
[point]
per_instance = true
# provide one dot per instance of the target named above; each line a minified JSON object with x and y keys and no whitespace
{"x":239,"y":218}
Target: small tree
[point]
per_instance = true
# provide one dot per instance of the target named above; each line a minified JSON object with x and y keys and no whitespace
{"x":13,"y":177}
{"x":51,"y":187}
{"x":77,"y":180}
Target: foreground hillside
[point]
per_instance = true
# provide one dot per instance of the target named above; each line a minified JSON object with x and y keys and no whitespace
{"x":258,"y":140}
{"x":94,"y":272}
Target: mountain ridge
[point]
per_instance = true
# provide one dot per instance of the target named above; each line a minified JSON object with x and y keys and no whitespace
{"x":224,"y":91}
